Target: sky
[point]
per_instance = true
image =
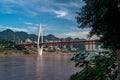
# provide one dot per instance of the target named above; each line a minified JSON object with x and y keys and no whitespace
{"x":56,"y":16}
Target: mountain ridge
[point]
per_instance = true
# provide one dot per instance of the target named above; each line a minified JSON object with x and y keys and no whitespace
{"x":18,"y":36}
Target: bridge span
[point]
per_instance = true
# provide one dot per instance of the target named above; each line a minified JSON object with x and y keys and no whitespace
{"x":62,"y":43}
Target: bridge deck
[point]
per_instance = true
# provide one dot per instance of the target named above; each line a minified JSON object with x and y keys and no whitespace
{"x":74,"y":42}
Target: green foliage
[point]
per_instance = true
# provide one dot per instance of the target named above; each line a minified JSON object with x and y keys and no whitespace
{"x":9,"y":47}
{"x":81,"y":47}
{"x":7,"y":44}
{"x":103,"y":16}
{"x":99,"y":67}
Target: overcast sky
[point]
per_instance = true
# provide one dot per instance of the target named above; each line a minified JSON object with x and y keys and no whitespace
{"x":56,"y":16}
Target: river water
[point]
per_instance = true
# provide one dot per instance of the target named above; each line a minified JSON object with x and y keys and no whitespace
{"x":36,"y":67}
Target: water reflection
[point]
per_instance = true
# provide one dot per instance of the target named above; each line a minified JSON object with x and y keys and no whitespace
{"x":39,"y":67}
{"x":36,"y":67}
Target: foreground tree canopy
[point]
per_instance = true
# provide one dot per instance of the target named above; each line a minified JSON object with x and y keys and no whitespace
{"x":103,"y":16}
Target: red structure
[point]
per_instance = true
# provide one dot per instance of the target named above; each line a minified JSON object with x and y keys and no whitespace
{"x":62,"y":43}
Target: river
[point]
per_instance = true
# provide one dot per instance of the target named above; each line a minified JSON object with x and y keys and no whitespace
{"x":36,"y":67}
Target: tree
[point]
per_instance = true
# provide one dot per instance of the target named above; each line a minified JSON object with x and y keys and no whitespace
{"x":99,"y":67}
{"x":103,"y":16}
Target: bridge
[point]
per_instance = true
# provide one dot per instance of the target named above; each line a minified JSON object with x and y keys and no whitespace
{"x":62,"y":43}
{"x":89,"y":44}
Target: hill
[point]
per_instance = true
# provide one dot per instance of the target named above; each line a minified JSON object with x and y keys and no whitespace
{"x":10,"y":35}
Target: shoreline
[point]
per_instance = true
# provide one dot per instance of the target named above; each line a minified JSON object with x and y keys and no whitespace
{"x":9,"y":53}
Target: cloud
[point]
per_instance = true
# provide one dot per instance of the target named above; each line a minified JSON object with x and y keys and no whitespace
{"x":77,"y":34}
{"x":81,"y":35}
{"x":28,"y":29}
{"x":17,"y":29}
{"x":2,"y":27}
{"x":60,"y":13}
{"x":37,"y":24}
{"x":33,"y":29}
{"x":25,"y":7}
{"x":34,"y":7}
{"x":77,"y":4}
{"x":28,"y":23}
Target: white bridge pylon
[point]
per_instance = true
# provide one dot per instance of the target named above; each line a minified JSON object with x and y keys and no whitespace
{"x":40,"y":40}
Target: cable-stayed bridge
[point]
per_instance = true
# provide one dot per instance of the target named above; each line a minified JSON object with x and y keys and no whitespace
{"x":89,"y":44}
{"x":62,"y":43}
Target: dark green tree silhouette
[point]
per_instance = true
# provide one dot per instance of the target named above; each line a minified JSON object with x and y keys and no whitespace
{"x":103,"y":17}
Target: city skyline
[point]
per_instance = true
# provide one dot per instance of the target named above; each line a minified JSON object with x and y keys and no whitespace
{"x":57,"y":17}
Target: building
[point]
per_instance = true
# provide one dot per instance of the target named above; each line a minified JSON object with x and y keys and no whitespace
{"x":28,"y":40}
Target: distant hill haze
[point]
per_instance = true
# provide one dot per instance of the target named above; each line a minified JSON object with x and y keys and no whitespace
{"x":10,"y":35}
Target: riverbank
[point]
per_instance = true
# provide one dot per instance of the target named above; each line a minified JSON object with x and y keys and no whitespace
{"x":58,"y":52}
{"x":12,"y":52}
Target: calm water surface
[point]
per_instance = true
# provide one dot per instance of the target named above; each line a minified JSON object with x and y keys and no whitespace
{"x":35,"y":67}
